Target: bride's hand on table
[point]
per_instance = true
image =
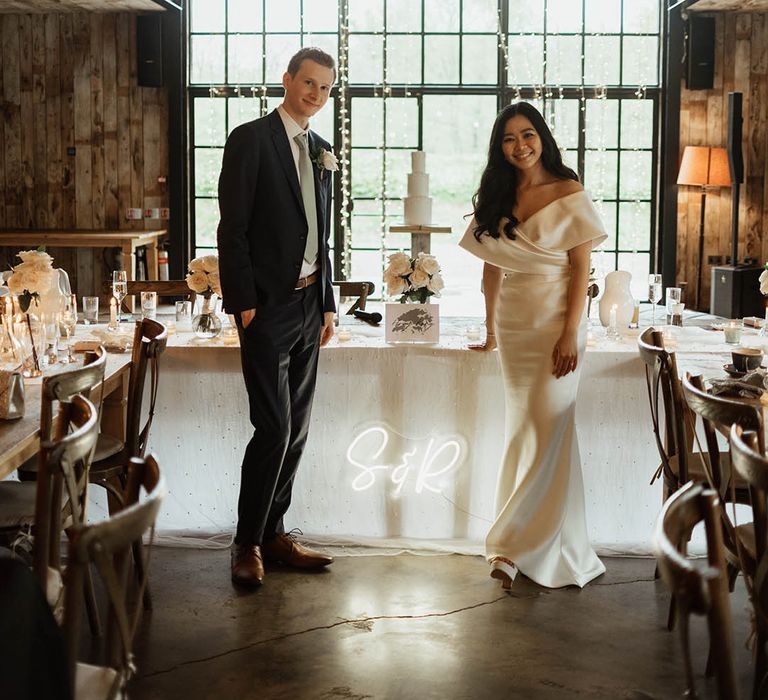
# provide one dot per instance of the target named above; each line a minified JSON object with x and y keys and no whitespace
{"x":487,"y":346}
{"x":565,"y":355}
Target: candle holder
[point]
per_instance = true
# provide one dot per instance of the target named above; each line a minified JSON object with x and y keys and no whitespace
{"x":612,"y":331}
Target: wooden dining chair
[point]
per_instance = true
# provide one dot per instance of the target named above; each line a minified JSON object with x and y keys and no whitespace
{"x":750,"y":462}
{"x":361,"y":290}
{"x":164,"y":288}
{"x":107,"y":546}
{"x":699,"y":588}
{"x":110,"y":463}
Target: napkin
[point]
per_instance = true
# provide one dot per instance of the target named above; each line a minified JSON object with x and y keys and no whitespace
{"x":750,"y":386}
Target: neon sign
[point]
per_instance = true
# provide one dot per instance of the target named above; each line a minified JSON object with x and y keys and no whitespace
{"x":425,"y":461}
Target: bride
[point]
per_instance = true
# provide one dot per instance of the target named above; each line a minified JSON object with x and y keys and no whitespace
{"x":534,"y":227}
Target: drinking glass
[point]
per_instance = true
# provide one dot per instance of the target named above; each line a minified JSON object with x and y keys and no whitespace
{"x":654,"y":294}
{"x":184,"y":315}
{"x":120,"y":289}
{"x":149,"y":305}
{"x":90,"y":310}
{"x":68,"y":321}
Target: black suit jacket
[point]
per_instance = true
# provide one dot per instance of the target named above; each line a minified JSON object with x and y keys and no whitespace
{"x":263,"y":229}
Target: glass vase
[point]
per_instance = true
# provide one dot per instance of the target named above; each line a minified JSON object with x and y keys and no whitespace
{"x":30,"y":332}
{"x":207,"y":324}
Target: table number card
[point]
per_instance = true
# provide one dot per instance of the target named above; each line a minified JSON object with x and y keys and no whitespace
{"x":412,"y":323}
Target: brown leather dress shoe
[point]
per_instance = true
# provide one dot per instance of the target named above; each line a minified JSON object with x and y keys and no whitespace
{"x":247,"y":565}
{"x":286,"y":549}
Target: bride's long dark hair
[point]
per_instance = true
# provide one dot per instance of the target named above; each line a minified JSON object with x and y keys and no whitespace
{"x":497,"y":195}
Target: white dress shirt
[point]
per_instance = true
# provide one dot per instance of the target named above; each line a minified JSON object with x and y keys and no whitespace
{"x":292,"y":129}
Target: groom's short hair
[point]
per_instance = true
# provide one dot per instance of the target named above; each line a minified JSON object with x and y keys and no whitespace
{"x":311,"y":53}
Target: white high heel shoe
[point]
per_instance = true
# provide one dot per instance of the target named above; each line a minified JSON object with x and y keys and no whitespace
{"x":503,"y":570}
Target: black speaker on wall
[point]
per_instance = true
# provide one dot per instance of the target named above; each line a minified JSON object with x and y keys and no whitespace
{"x":700,"y":69}
{"x":149,"y":50}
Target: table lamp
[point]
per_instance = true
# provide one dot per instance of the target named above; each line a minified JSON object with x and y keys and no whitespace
{"x":704,"y":167}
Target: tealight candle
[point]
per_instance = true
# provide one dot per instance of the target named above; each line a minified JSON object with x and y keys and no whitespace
{"x":344,"y":335}
{"x":733,"y":331}
{"x":473,"y":333}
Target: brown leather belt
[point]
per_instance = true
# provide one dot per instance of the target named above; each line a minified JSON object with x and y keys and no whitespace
{"x":306,"y":281}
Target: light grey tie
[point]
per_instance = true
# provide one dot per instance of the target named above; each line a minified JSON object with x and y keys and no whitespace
{"x":307,"y":181}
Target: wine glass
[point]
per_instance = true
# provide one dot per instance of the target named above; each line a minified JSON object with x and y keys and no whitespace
{"x":654,"y":294}
{"x":68,"y":321}
{"x":119,"y":289}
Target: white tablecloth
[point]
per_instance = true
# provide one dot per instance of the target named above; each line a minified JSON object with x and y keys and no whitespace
{"x":441,"y":411}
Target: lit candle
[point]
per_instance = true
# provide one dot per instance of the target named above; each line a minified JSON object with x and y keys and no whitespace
{"x":112,"y":312}
{"x":344,"y":335}
{"x":8,"y":310}
{"x":612,"y":316}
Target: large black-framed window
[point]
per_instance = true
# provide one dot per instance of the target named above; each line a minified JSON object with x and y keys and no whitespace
{"x":431,"y":75}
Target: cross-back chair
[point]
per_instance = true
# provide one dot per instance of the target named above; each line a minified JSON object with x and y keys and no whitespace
{"x":164,"y":288}
{"x":107,"y":546}
{"x":110,"y":463}
{"x":698,"y":589}
{"x":361,"y":290}
{"x":752,"y":464}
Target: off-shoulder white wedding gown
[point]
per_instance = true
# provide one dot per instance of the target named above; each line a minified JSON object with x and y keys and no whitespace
{"x":541,"y":522}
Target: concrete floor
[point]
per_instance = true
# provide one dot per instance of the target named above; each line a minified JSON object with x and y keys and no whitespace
{"x":410,"y":626}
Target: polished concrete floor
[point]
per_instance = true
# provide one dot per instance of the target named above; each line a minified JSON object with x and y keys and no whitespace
{"x":410,"y":626}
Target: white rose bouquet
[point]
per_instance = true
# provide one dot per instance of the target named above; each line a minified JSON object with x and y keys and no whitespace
{"x":414,"y":279}
{"x":203,"y":277}
{"x":764,"y":281}
{"x":32,"y":277}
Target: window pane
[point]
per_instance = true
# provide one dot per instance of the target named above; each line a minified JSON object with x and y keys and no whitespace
{"x":607,"y":212}
{"x":600,"y":173}
{"x":402,"y":122}
{"x":242,"y":110}
{"x":367,"y":122}
{"x":480,"y":16}
{"x":441,"y":59}
{"x":403,"y":16}
{"x":367,"y":265}
{"x":283,"y":16}
{"x":526,"y":16}
{"x":366,"y":230}
{"x":245,"y":59}
{"x":635,"y":225}
{"x":207,"y":169}
{"x":321,"y":16}
{"x":403,"y":59}
{"x":602,"y":124}
{"x":366,"y":16}
{"x":602,"y":16}
{"x":601,"y":60}
{"x":207,"y":16}
{"x":563,"y":16}
{"x":322,"y":122}
{"x":366,"y":173}
{"x":366,"y":59}
{"x":639,"y":265}
{"x":639,"y":66}
{"x":206,"y":221}
{"x":279,"y":52}
{"x":207,"y":54}
{"x":243,"y":15}
{"x":210,"y":127}
{"x":641,"y":16}
{"x":564,"y":122}
{"x":398,"y":167}
{"x":571,"y":160}
{"x":441,"y":15}
{"x":636,"y":178}
{"x":527,"y":67}
{"x":327,"y":42}
{"x":564,"y":60}
{"x":637,"y":123}
{"x":480,"y":60}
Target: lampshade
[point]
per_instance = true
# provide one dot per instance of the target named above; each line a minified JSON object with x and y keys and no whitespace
{"x":704,"y":166}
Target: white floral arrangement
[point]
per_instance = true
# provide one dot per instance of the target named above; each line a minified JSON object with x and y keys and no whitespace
{"x":203,"y":277}
{"x":764,"y":281}
{"x":32,"y":278}
{"x":325,"y":160}
{"x":413,"y":279}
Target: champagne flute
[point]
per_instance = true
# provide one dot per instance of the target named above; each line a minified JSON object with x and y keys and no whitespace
{"x":654,"y":294}
{"x":68,"y":322}
{"x":119,"y":289}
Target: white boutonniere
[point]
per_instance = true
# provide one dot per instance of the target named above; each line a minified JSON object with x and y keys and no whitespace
{"x":325,"y":160}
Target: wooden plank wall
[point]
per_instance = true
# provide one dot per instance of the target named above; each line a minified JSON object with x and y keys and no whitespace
{"x":741,"y":65}
{"x":80,"y":141}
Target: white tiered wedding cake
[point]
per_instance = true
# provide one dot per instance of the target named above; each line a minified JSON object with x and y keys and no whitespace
{"x":418,"y":204}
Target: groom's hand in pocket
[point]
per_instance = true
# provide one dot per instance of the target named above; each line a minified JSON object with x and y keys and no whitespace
{"x":247,"y":316}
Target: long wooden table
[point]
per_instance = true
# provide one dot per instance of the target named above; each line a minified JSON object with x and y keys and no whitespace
{"x":20,"y":439}
{"x":127,"y":241}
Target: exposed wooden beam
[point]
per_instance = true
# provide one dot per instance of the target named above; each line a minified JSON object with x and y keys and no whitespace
{"x":729,"y":6}
{"x":23,"y":7}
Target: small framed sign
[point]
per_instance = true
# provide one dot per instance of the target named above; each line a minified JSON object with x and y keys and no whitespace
{"x":412,"y":323}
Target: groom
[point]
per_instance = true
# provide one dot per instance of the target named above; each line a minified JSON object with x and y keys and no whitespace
{"x":275,"y":203}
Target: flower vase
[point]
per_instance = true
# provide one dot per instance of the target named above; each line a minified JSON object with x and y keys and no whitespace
{"x":207,"y":324}
{"x":30,"y":332}
{"x":618,"y":294}
{"x":11,"y":354}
